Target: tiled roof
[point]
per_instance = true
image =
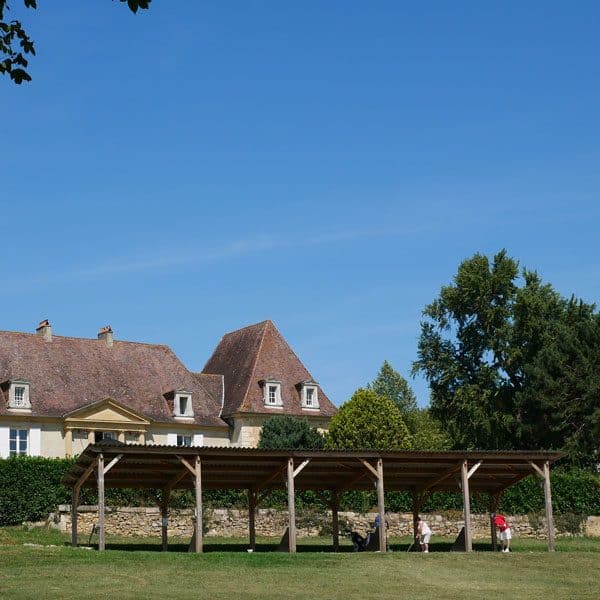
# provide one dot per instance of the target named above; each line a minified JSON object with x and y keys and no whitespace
{"x":250,"y":355}
{"x":69,"y":373}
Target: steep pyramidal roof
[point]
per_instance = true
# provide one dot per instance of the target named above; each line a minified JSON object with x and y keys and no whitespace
{"x":68,"y":373}
{"x":252,"y":354}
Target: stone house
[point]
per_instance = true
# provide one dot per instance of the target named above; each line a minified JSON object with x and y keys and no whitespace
{"x":58,"y":394}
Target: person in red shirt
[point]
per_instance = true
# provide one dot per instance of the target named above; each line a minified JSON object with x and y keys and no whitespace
{"x":502,"y":524}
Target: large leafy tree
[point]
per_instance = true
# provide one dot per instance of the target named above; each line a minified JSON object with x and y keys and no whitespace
{"x":390,"y":384}
{"x":15,"y":43}
{"x":368,"y":421}
{"x":561,"y":403}
{"x":482,"y":342}
{"x":425,"y":431}
{"x":289,"y":433}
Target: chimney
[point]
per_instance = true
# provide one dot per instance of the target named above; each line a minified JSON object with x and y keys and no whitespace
{"x":106,"y":334}
{"x":44,"y":329}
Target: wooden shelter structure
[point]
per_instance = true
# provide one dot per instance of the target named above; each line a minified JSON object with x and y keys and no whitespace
{"x":260,"y":471}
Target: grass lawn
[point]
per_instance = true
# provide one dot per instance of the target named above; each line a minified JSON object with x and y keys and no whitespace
{"x":135,"y":568}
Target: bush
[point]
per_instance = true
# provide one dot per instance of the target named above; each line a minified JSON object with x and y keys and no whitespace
{"x":289,"y":433}
{"x":30,"y":488}
{"x":573,"y":491}
{"x":368,"y":421}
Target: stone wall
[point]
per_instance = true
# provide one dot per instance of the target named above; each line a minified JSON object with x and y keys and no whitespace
{"x":270,"y":522}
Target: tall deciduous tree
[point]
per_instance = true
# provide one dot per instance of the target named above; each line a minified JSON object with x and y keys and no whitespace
{"x":289,"y":433}
{"x":368,"y":420}
{"x":561,"y":403}
{"x":15,"y":43}
{"x":425,"y":431}
{"x":485,"y":342}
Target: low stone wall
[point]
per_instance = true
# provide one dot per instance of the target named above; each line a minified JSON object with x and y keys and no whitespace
{"x":270,"y":522}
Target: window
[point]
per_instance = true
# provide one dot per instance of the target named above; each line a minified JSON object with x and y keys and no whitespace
{"x":310,"y":395}
{"x":18,"y":442}
{"x":183,"y":405}
{"x":184,"y":440}
{"x":102,"y":436}
{"x":271,"y":392}
{"x":18,"y":396}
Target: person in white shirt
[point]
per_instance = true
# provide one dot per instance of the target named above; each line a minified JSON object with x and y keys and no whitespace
{"x":424,"y":533}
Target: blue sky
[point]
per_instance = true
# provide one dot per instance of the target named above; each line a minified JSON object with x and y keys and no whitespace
{"x":203,"y":166}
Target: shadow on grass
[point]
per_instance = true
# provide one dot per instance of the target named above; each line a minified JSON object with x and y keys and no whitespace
{"x":238,"y":547}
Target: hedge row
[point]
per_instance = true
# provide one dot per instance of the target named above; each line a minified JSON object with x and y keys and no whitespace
{"x":30,"y":489}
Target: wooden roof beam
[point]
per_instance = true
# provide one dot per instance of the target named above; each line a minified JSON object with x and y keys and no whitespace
{"x":85,"y":475}
{"x":447,"y":473}
{"x":369,"y":467}
{"x":300,"y":467}
{"x":187,"y":465}
{"x":173,"y":482}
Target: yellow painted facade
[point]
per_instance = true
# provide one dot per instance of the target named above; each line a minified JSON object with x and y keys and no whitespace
{"x":69,"y":436}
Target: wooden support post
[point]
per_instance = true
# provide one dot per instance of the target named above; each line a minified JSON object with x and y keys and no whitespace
{"x":198,"y":485}
{"x":164,"y":518}
{"x":74,"y":505}
{"x":548,"y":504}
{"x":381,"y":507}
{"x":75,"y":500}
{"x":415,"y":516}
{"x":252,"y":501}
{"x":464,"y":472}
{"x":494,"y":502}
{"x":335,"y":521}
{"x":101,"y":507}
{"x":291,"y":505}
{"x":545,"y":475}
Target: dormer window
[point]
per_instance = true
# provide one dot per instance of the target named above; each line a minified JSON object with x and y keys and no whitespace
{"x":310,"y":394}
{"x":18,"y":395}
{"x":272,"y":392}
{"x":183,"y":404}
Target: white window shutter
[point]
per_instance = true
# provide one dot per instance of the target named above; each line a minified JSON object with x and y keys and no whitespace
{"x":4,"y":437}
{"x":198,"y":439}
{"x":35,"y":441}
{"x":171,"y":439}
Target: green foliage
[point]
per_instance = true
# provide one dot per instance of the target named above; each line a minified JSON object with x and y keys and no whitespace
{"x":560,"y":403}
{"x":30,"y":488}
{"x":289,"y":433}
{"x":368,"y":420}
{"x":390,"y":384}
{"x":425,"y":431}
{"x":511,"y":364}
{"x":15,"y":44}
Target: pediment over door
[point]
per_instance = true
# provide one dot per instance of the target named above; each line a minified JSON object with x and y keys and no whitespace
{"x":106,"y":413}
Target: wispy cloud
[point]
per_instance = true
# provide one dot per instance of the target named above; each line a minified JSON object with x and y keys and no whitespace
{"x":157,"y":261}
